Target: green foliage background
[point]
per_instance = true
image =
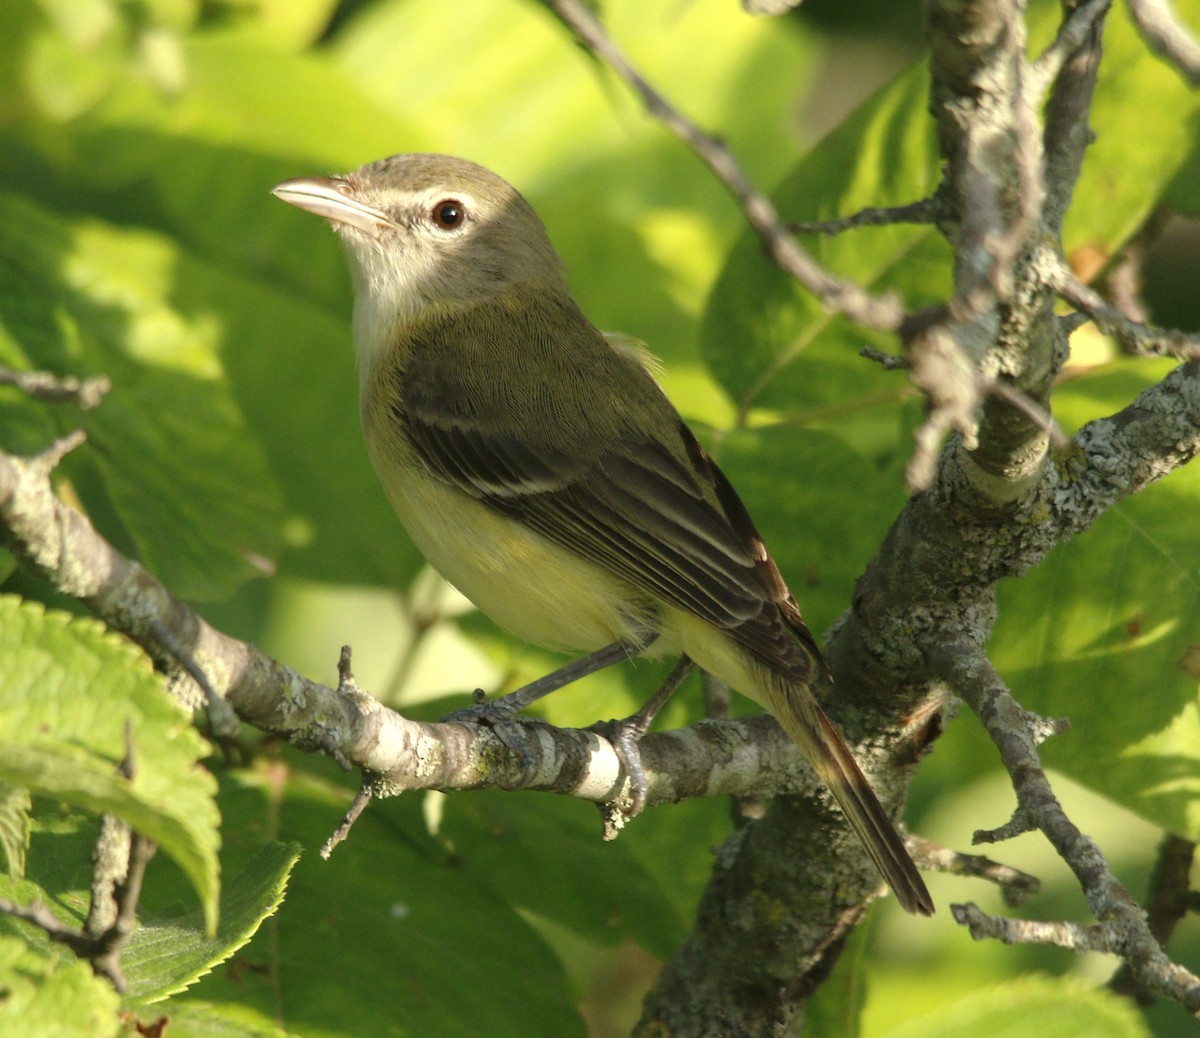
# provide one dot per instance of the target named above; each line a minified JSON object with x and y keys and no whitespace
{"x":138,"y":144}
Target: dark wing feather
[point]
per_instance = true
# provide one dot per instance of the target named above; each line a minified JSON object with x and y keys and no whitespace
{"x":666,"y":521}
{"x":656,"y":513}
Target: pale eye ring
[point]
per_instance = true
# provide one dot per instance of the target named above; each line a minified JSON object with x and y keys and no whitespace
{"x":448,"y":214}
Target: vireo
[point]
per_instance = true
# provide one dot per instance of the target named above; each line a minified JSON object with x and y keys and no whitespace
{"x":542,"y":471}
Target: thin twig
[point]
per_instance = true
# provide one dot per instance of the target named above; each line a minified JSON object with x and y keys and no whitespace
{"x":1031,"y":409}
{"x":1132,"y":336}
{"x":882,"y":312}
{"x":1166,"y":34}
{"x":121,"y":888}
{"x":888,"y":361}
{"x":51,"y":388}
{"x":1169,"y":899}
{"x":1100,"y":937}
{"x":361,"y":802}
{"x":222,"y":718}
{"x":1015,"y":885}
{"x":749,"y":755}
{"x":1122,"y":929}
{"x":1071,"y":36}
{"x":924,"y":211}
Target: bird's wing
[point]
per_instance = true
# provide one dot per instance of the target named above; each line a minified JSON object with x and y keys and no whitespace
{"x":665,"y":520}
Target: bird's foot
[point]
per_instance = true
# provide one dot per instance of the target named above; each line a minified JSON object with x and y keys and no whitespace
{"x":625,"y":735}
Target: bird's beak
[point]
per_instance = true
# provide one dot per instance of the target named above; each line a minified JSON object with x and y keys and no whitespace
{"x":332,"y":198}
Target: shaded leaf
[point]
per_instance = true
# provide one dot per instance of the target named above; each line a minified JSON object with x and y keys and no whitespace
{"x":515,"y":843}
{"x":769,"y":343}
{"x":389,"y":912}
{"x":190,"y":486}
{"x":166,"y":955}
{"x":1113,"y":611}
{"x":14,"y":828}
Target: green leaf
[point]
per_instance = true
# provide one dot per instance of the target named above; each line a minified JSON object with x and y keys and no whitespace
{"x":1112,"y":611}
{"x":807,"y":491}
{"x":766,"y":339}
{"x":189,"y":484}
{"x":193,"y":1018}
{"x":771,"y":345}
{"x":165,"y":955}
{"x":1139,"y":98}
{"x":1048,"y":1008}
{"x":514,"y":843}
{"x":50,"y":996}
{"x":422,"y":926}
{"x":70,"y":688}
{"x":250,"y":117}
{"x":292,"y":369}
{"x":557,"y":100}
{"x":14,"y":827}
{"x":289,"y":24}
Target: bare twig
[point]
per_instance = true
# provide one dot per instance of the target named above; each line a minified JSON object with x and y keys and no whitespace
{"x":1170,"y":898}
{"x":883,"y":312}
{"x":223,"y":720}
{"x":714,"y":758}
{"x":1099,"y":937}
{"x":1071,"y":36}
{"x":1165,"y":33}
{"x":1031,"y":409}
{"x":888,"y":361}
{"x":117,"y":884}
{"x":1130,"y":335}
{"x":362,"y":800}
{"x":1015,"y":885}
{"x":50,"y":388}
{"x":1123,"y":929}
{"x":942,"y":367}
{"x":925,"y":211}
{"x":1067,"y":133}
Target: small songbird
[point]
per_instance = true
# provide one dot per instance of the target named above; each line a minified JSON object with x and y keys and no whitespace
{"x":539,"y":467}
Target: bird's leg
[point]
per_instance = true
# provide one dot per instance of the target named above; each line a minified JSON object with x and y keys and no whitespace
{"x":627,"y":733}
{"x":505,"y":707}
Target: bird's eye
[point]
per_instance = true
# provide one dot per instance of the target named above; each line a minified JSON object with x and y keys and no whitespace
{"x":448,"y":214}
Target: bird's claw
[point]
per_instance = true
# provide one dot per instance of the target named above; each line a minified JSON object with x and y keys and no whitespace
{"x":624,"y":736}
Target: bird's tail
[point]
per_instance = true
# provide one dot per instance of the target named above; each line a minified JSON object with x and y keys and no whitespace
{"x":816,"y":736}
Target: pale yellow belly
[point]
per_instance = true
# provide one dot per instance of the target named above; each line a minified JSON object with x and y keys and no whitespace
{"x":526,"y":584}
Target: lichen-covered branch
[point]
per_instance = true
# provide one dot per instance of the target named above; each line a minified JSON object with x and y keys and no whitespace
{"x":1122,"y":928}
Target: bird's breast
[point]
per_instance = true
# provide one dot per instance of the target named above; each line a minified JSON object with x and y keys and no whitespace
{"x":528,"y":585}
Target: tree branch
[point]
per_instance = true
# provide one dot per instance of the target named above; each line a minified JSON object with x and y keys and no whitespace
{"x":1122,"y":929}
{"x":1015,"y":885}
{"x":837,"y":295}
{"x":121,"y":858}
{"x":1170,"y":899}
{"x":923,"y":211}
{"x":1131,"y":335}
{"x":42,"y":385}
{"x":1167,"y":35}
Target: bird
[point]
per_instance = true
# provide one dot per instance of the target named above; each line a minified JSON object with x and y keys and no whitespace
{"x":539,"y":467}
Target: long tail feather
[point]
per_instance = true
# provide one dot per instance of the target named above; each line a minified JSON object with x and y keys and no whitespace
{"x":816,"y":736}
